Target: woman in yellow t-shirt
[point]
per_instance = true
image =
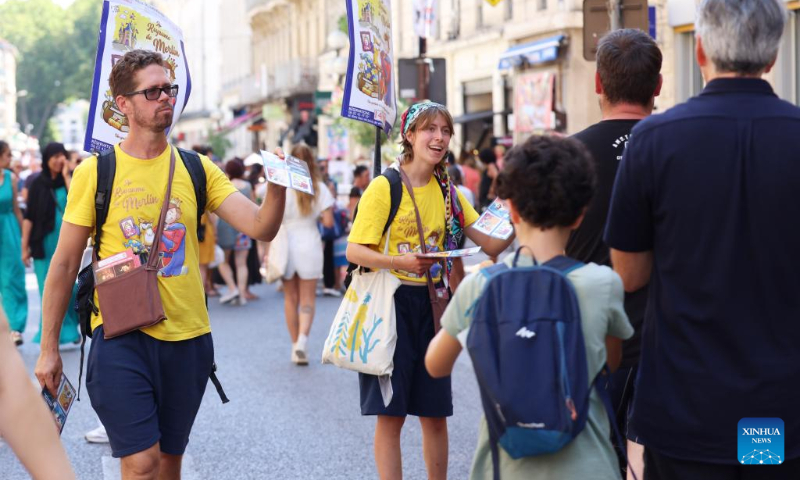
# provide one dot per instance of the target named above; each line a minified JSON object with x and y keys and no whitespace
{"x":446,"y":217}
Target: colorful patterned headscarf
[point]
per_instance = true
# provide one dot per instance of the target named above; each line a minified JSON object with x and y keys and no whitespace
{"x":412,"y":113}
{"x":454,"y":214}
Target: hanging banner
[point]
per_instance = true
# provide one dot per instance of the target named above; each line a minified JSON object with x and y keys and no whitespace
{"x":128,"y":25}
{"x":425,"y":20}
{"x":533,"y":105}
{"x":369,"y":93}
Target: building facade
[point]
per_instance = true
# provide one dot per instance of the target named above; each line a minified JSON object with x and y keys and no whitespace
{"x":8,"y":89}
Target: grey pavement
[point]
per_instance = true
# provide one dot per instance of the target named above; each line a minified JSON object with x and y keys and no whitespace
{"x":283,"y":421}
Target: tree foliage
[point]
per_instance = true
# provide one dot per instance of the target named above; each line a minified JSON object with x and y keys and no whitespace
{"x":56,"y":54}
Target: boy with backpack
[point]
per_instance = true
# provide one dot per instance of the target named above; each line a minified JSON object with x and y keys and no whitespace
{"x":540,"y":327}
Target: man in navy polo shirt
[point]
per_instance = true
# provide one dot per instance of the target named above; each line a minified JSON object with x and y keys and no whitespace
{"x":705,"y":209}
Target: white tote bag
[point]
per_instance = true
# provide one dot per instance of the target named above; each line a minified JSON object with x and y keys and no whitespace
{"x":364,"y":332}
{"x":278,"y":256}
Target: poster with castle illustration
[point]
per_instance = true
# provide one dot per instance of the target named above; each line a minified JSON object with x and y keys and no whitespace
{"x":369,"y":93}
{"x":127,"y":25}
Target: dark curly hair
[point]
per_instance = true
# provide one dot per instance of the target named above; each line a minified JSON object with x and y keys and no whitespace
{"x":549,"y":180}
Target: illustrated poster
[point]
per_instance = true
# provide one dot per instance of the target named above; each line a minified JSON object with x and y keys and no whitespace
{"x":464,"y":252}
{"x":128,"y":25}
{"x":534,"y":102}
{"x":369,"y":93}
{"x":495,"y":221}
{"x":290,"y":172}
{"x":61,"y":404}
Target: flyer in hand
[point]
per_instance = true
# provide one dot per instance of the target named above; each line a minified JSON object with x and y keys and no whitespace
{"x":290,"y":172}
{"x":464,"y":252}
{"x":495,"y":221}
{"x":61,"y":404}
{"x":116,"y":266}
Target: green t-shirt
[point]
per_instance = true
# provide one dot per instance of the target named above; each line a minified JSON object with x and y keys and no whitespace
{"x":590,"y":455}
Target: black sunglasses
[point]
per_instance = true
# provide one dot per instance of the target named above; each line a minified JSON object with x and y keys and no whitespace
{"x":155,"y":92}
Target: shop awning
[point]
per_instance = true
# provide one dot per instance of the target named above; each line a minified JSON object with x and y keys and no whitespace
{"x":241,"y":120}
{"x":486,"y":115}
{"x":540,"y":51}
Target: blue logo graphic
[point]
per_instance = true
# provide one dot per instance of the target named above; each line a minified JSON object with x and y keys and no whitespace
{"x":761,"y":441}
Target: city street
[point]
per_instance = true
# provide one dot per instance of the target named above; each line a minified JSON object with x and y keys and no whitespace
{"x":283,"y":421}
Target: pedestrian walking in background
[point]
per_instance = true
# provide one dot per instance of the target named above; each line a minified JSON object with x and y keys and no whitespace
{"x":426,"y":129}
{"x":305,"y":258}
{"x":12,"y":270}
{"x":704,"y":209}
{"x":627,"y":81}
{"x":486,"y":193}
{"x":234,"y":242}
{"x":41,"y":228}
{"x":146,"y":386}
{"x":469,"y":169}
{"x":547,"y":183}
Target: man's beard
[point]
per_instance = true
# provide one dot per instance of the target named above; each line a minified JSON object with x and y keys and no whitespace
{"x":158,"y":123}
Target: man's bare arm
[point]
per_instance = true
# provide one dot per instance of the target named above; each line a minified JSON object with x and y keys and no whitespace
{"x":261,"y":223}
{"x":55,"y":300}
{"x":633,"y":267}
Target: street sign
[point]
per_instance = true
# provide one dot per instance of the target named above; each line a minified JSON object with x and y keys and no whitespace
{"x":597,"y":21}
{"x":408,"y":78}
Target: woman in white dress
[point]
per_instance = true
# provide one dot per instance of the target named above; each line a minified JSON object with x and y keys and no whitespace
{"x":304,"y":266}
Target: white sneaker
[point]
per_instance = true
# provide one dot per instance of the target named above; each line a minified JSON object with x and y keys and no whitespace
{"x":331,"y":292}
{"x":299,"y":356}
{"x":98,"y":435}
{"x":229,"y":297}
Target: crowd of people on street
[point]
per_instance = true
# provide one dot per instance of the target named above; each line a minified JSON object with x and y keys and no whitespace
{"x":666,"y":240}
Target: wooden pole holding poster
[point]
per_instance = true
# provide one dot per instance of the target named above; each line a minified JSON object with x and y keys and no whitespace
{"x":377,"y":166}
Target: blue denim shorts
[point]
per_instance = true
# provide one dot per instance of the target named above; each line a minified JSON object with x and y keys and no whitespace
{"x":146,"y":390}
{"x":415,"y":391}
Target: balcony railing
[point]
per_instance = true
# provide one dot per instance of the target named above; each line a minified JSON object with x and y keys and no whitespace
{"x":295,"y":77}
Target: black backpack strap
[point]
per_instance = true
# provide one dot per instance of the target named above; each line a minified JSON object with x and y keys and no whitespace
{"x":396,"y":196}
{"x":601,"y":382}
{"x":106,"y":168}
{"x":191,"y":160}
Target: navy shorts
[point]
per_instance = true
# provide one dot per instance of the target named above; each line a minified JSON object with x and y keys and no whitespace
{"x":415,"y":391}
{"x":146,"y":390}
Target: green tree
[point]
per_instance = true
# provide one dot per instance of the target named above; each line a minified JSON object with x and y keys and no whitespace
{"x":56,"y":54}
{"x":219,"y":143}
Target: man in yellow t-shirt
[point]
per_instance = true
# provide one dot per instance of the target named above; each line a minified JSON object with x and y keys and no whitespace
{"x":146,"y":386}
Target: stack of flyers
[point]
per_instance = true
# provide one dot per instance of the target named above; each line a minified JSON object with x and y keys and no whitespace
{"x":115,"y":266}
{"x":495,"y":221}
{"x":289,"y":171}
{"x":61,"y":404}
{"x":464,"y":252}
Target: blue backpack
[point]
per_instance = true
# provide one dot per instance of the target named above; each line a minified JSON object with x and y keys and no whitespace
{"x":526,"y":345}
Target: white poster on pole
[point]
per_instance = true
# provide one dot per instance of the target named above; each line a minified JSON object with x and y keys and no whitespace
{"x":369,"y":93}
{"x":425,"y":18}
{"x":127,"y":25}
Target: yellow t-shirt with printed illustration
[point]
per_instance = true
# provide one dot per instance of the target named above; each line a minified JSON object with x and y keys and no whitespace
{"x":134,"y":210}
{"x":373,"y":211}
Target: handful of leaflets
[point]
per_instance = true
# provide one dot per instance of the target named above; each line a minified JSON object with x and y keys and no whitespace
{"x":61,"y":404}
{"x":495,"y":221}
{"x":289,"y":171}
{"x":464,"y":252}
{"x":116,"y":266}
